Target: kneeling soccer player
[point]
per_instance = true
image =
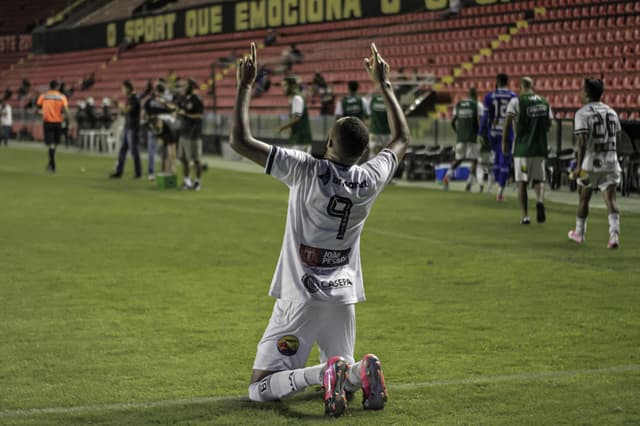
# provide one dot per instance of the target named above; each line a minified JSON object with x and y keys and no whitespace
{"x":318,"y":279}
{"x":596,"y":129}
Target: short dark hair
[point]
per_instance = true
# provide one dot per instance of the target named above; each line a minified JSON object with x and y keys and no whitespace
{"x":502,"y":79}
{"x":160,"y":87}
{"x":191,"y":85}
{"x":353,"y":136}
{"x":53,"y":84}
{"x":593,"y":87}
{"x":353,"y":86}
{"x":473,"y":93}
{"x":128,"y":85}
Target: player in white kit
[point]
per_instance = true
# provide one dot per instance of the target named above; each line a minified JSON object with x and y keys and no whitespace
{"x":596,"y":128}
{"x":318,"y":278}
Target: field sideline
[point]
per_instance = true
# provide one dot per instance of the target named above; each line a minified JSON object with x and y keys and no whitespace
{"x":123,"y":304}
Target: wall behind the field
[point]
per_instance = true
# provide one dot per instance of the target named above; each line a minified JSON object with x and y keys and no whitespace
{"x":228,"y":17}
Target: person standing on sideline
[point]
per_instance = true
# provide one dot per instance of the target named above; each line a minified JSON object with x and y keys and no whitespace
{"x":54,"y":107}
{"x":466,"y":122}
{"x":532,"y":116}
{"x":158,"y":105}
{"x":597,"y":128}
{"x":6,"y":121}
{"x":495,"y":113}
{"x":318,"y":279}
{"x":300,"y":135}
{"x":190,"y":110}
{"x":130,"y":133}
{"x":352,"y":105}
{"x":379,"y":131}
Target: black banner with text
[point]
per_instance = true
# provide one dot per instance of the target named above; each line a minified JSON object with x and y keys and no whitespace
{"x":228,"y":17}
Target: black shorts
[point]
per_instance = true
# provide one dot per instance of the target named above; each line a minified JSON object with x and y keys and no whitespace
{"x":52,"y":132}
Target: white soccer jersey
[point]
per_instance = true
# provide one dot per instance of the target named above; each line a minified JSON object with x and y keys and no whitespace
{"x":601,"y":125}
{"x":328,"y":205}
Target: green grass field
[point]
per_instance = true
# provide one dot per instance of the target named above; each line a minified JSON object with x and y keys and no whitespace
{"x":124,"y":304}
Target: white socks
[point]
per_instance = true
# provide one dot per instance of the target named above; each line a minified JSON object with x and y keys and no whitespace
{"x":614,"y":223}
{"x":581,"y":226}
{"x":284,"y":383}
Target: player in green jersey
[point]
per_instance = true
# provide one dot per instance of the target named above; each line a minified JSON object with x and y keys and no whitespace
{"x":532,"y":116}
{"x":466,"y":122}
{"x":300,"y":134}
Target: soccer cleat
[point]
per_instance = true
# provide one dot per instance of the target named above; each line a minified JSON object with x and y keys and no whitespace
{"x":467,"y":188}
{"x":525,"y":220}
{"x":499,"y":197}
{"x":481,"y":188}
{"x":197,"y":186}
{"x":333,"y":380}
{"x":445,"y":183}
{"x":374,"y":391}
{"x":115,"y":175}
{"x":186,"y":186}
{"x":151,"y":177}
{"x":575,"y":237}
{"x":613,"y":241}
{"x":541,"y":217}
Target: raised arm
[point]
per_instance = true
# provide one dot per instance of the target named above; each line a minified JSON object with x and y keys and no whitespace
{"x":241,"y":140}
{"x":378,"y":70}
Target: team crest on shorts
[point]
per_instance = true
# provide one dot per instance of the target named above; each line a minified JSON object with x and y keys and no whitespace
{"x":523,"y":168}
{"x":288,"y":345}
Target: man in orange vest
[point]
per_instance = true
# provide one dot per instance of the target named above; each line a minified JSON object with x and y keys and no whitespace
{"x":54,"y":106}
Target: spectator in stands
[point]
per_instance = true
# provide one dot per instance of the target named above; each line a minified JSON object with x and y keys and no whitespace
{"x":597,"y":130}
{"x":6,"y":121}
{"x":352,"y":105}
{"x":54,"y":106}
{"x":466,"y":122}
{"x":81,"y":116}
{"x":291,"y":56}
{"x":531,"y":115}
{"x":263,"y":81}
{"x":88,"y":82}
{"x":495,"y":113}
{"x":317,"y":84}
{"x":271,"y":37}
{"x":67,"y":91}
{"x":327,"y":101}
{"x":7,"y":93}
{"x":106,"y":118}
{"x":25,"y":86}
{"x":298,"y":122}
{"x":296,"y":54}
{"x":225,"y":61}
{"x":131,"y":111}
{"x":125,"y":45}
{"x":190,"y":110}
{"x":156,"y":106}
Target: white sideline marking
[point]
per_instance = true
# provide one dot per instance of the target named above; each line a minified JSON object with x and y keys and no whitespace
{"x":542,"y":375}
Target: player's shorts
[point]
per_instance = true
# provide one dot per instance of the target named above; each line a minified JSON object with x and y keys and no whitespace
{"x":486,"y":157}
{"x":529,"y":169}
{"x":293,"y":329}
{"x":190,"y":149}
{"x":52,"y":133}
{"x":467,"y":151}
{"x":601,"y":180}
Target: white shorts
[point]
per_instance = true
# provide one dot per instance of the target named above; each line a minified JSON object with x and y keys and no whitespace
{"x":467,"y":151}
{"x":486,"y":157}
{"x":601,"y":180}
{"x":293,"y":329}
{"x":529,"y":169}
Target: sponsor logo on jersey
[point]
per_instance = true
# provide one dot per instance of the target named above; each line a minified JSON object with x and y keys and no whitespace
{"x":313,"y":285}
{"x":288,"y":345}
{"x":351,"y":185}
{"x":323,"y":258}
{"x":539,"y":110}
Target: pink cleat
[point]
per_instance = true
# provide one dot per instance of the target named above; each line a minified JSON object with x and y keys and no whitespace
{"x":445,"y":183}
{"x":574,"y":236}
{"x":333,"y":379}
{"x":374,"y":391}
{"x":500,"y":197}
{"x":613,"y":241}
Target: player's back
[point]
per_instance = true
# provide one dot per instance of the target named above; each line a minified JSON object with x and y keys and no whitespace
{"x":496,"y":103}
{"x":328,"y":206}
{"x":601,"y":125}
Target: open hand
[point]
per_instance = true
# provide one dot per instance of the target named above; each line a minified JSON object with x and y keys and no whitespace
{"x":376,"y":67}
{"x":247,"y":69}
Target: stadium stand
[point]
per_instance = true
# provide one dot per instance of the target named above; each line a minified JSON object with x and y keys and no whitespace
{"x":557,"y":42}
{"x":20,"y":17}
